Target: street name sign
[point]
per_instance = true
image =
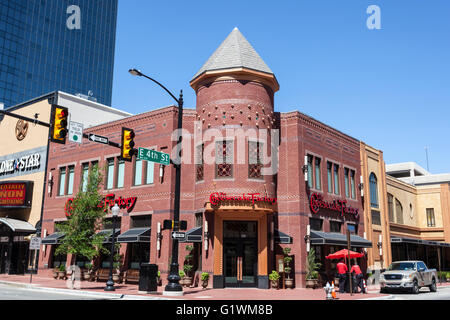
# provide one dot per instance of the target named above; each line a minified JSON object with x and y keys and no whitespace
{"x":97,"y":138}
{"x":178,"y":235}
{"x":76,"y":132}
{"x":153,"y":156}
{"x":35,"y":243}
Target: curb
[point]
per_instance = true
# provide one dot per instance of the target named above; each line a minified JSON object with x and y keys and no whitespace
{"x":83,"y":293}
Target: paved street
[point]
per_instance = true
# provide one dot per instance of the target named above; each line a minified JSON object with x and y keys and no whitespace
{"x":443,"y":293}
{"x":8,"y":292}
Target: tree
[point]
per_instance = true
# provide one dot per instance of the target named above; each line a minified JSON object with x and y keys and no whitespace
{"x":84,"y":221}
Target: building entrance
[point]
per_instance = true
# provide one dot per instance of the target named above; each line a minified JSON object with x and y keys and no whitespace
{"x":240,"y":250}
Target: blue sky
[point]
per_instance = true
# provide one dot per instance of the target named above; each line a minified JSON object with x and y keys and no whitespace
{"x":389,"y":88}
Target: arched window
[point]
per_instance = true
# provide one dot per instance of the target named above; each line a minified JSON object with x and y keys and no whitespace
{"x":391,"y":207}
{"x":373,"y":190}
{"x":399,"y":211}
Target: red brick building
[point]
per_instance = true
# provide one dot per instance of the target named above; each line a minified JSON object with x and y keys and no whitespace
{"x":243,"y":187}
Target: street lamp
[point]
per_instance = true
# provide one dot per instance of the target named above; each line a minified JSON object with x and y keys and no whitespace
{"x":173,"y":287}
{"x":110,"y":283}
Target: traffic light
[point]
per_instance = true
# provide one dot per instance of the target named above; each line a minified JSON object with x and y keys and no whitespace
{"x":170,"y":224}
{"x":58,"y":128}
{"x":127,"y":144}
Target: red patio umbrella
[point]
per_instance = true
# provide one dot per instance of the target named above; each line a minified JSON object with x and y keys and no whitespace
{"x":344,"y":254}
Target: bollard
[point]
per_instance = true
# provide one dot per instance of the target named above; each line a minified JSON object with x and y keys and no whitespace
{"x":327,"y":289}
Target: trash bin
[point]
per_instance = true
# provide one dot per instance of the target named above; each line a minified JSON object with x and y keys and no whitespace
{"x":148,"y":274}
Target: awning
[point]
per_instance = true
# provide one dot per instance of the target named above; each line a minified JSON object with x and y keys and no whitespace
{"x":338,"y":239}
{"x":18,"y":226}
{"x":107,"y":233}
{"x":54,"y":238}
{"x":135,"y":235}
{"x":281,"y":237}
{"x":419,"y":241}
{"x":193,"y":235}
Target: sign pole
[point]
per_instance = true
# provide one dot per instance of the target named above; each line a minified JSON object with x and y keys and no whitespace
{"x":348,"y":263}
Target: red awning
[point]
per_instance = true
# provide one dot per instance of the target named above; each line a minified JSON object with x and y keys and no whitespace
{"x":344,"y":254}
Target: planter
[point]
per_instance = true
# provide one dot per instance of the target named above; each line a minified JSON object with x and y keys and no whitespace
{"x":289,"y":283}
{"x":159,"y":281}
{"x":187,"y":281}
{"x":204,"y":284}
{"x":55,"y":274}
{"x":61,"y":275}
{"x":312,"y":283}
{"x":274,"y":284}
{"x":87,"y":276}
{"x":116,"y":278}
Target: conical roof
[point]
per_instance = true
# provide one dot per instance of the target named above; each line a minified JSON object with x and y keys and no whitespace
{"x":234,"y":52}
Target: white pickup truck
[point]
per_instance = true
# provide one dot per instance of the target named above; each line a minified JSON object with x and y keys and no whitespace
{"x":408,"y":275}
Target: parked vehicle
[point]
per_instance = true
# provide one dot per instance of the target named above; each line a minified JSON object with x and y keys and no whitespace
{"x":408,"y":275}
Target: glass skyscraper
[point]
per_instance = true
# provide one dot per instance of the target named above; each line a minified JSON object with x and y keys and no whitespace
{"x":48,"y":45}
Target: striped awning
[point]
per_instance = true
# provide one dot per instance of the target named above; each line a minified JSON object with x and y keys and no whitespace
{"x":135,"y":235}
{"x":54,"y":238}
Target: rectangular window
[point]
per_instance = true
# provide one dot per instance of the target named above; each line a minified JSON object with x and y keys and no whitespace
{"x":138,"y":172}
{"x":353,"y":184}
{"x":110,"y":174}
{"x":353,"y":228}
{"x":224,"y":159}
{"x":430,"y":217}
{"x":330,"y":177}
{"x":199,"y":219}
{"x":315,"y":224}
{"x":141,"y":221}
{"x":335,"y":226}
{"x":199,"y":167}
{"x":317,"y":174}
{"x":149,"y":179}
{"x":346,"y":174}
{"x":310,"y":171}
{"x":84,"y":176}
{"x":62,"y":181}
{"x":120,"y":173}
{"x":254,"y":159}
{"x":336,"y":179}
{"x":71,"y":180}
{"x":376,"y":218}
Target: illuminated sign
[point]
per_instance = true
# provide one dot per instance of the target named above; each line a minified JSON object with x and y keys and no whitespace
{"x":216,"y":198}
{"x":21,"y":164}
{"x":16,"y":194}
{"x":316,"y":203}
{"x":107,"y":202}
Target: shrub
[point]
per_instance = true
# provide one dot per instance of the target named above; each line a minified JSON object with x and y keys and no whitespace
{"x":205,"y":276}
{"x":181,"y":273}
{"x":62,"y":267}
{"x":274,"y":276}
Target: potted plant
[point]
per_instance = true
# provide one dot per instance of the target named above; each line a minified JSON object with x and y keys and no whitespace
{"x":274,"y":277}
{"x":187,"y":268}
{"x":158,"y":279}
{"x":182,"y":276}
{"x":448,"y":276}
{"x":62,"y":271}
{"x":312,"y":275}
{"x":55,"y":272}
{"x":88,"y":273}
{"x":205,"y":278}
{"x":289,"y":283}
{"x":116,"y":273}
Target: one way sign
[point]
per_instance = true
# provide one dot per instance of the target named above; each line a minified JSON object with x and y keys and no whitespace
{"x":97,"y":138}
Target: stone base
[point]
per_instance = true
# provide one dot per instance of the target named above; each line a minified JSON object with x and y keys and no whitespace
{"x":173,"y":293}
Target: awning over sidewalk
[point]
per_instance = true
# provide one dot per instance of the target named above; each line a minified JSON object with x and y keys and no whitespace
{"x":54,"y":238}
{"x":419,"y":241}
{"x":338,"y":239}
{"x":18,"y":226}
{"x":135,"y":235}
{"x":108,"y":234}
{"x":281,"y":237}
{"x":193,"y":235}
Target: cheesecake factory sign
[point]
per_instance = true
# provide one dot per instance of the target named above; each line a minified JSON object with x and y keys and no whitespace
{"x":317,"y":203}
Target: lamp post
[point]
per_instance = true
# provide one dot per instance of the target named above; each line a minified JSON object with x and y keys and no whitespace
{"x":173,"y":287}
{"x":110,"y":283}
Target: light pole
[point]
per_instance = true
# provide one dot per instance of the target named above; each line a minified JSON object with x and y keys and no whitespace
{"x":110,"y":283}
{"x":173,"y":287}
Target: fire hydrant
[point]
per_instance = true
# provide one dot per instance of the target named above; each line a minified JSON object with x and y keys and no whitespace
{"x":327,"y":289}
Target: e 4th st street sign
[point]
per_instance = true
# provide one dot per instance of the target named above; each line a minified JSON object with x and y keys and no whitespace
{"x":153,"y":156}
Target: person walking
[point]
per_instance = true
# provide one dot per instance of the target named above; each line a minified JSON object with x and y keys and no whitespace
{"x":342,"y":271}
{"x":356,"y":270}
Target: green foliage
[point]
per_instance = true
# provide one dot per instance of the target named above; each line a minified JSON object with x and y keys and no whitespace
{"x":274,"y":276}
{"x":287,"y":270}
{"x":188,"y":260}
{"x":62,"y":267}
{"x":88,"y":266}
{"x":189,"y":247}
{"x":159,"y":274}
{"x":81,"y":228}
{"x":286,"y":251}
{"x":188,"y":268}
{"x":312,"y":266}
{"x":287,"y":260}
{"x":205,"y":276}
{"x":181,"y":273}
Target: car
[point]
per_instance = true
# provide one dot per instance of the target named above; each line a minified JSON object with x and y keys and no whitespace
{"x":408,"y":276}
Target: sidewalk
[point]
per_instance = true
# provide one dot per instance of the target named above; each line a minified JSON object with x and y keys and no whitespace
{"x":130,"y":291}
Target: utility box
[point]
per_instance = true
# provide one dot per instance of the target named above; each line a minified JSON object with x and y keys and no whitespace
{"x":148,"y":274}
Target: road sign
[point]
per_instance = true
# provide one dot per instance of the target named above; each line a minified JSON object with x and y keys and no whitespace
{"x":178,"y":235}
{"x":35,"y":243}
{"x":153,"y":156}
{"x":76,"y":132}
{"x":97,"y":138}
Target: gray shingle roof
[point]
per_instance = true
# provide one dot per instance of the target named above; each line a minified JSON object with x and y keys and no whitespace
{"x":234,"y":52}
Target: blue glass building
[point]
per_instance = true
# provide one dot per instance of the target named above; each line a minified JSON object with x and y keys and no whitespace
{"x":49,"y":45}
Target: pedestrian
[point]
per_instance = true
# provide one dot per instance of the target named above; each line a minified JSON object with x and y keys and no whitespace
{"x":342,"y":271}
{"x":356,"y":270}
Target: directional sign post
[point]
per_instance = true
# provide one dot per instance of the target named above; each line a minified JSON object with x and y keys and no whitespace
{"x":76,"y":132}
{"x":153,"y":156}
{"x":97,"y":138}
{"x":178,"y":235}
